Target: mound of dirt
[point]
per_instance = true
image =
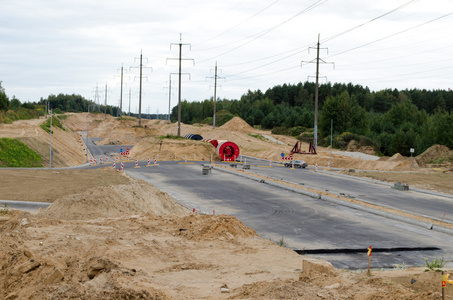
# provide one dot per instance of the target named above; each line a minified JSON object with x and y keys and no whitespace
{"x":432,"y":153}
{"x":353,"y":146}
{"x":136,"y":197}
{"x":199,"y":227}
{"x":169,"y":149}
{"x":237,"y":124}
{"x":397,"y":157}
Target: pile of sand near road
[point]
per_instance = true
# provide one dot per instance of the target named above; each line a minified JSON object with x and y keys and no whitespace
{"x":178,"y":257}
{"x":170,"y":149}
{"x":237,"y":124}
{"x":136,"y":197}
{"x":434,"y":152}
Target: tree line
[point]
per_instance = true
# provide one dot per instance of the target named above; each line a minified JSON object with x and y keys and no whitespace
{"x":392,"y":121}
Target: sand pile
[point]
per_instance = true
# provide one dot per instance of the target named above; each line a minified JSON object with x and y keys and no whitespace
{"x":168,"y":148}
{"x":237,"y":124}
{"x":432,"y":153}
{"x":196,"y":227}
{"x":136,"y":197}
{"x":353,"y":146}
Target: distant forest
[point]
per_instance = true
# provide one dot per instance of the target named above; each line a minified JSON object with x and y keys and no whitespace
{"x":391,"y":121}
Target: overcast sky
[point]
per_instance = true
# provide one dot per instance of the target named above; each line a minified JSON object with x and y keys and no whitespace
{"x":59,"y":46}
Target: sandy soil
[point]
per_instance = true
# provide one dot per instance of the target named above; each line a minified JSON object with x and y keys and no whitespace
{"x":131,"y":241}
{"x":107,"y":236}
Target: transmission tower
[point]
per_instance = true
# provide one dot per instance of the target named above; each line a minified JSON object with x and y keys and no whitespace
{"x":316,"y":60}
{"x":97,"y":96}
{"x":180,"y":59}
{"x":215,"y":93}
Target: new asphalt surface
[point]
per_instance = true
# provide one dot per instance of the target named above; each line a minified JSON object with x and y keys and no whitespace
{"x":322,"y":229}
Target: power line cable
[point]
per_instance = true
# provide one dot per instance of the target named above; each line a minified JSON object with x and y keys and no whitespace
{"x":235,"y":26}
{"x":266,"y":31}
{"x":392,"y":35}
{"x":369,"y":21}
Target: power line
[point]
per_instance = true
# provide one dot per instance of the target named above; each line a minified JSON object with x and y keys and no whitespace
{"x":235,"y":26}
{"x":180,"y":59}
{"x":266,"y":31}
{"x":392,"y":35}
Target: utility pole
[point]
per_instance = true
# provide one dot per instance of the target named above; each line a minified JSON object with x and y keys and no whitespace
{"x":180,"y":44}
{"x":169,"y":97}
{"x":215,"y":93}
{"x":50,"y":152}
{"x":129,"y":101}
{"x":105,"y":107}
{"x":169,"y":93}
{"x":140,"y":92}
{"x":315,"y":137}
{"x":121,"y":95}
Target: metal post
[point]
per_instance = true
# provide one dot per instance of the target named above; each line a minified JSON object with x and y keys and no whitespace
{"x":316,"y":97}
{"x":331,"y":135}
{"x":169,"y":98}
{"x":88,"y":128}
{"x":121,"y":96}
{"x":140,"y":96}
{"x":179,"y":91}
{"x":215,"y":95}
{"x":50,"y":160}
{"x":105,"y":107}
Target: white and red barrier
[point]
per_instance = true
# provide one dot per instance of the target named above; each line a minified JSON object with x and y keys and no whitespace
{"x":114,"y":166}
{"x":136,"y":165}
{"x":122,"y":166}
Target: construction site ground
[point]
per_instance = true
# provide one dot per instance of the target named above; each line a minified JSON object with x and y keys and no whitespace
{"x":108,"y":236}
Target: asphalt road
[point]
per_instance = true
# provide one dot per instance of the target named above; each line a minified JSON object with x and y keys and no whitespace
{"x":302,"y":222}
{"x":423,"y":204}
{"x":23,"y":205}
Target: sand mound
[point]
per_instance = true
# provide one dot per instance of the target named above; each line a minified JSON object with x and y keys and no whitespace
{"x":432,"y":153}
{"x":237,"y":124}
{"x":168,"y":148}
{"x":353,"y":146}
{"x":397,"y":157}
{"x":199,"y":227}
{"x":137,"y":197}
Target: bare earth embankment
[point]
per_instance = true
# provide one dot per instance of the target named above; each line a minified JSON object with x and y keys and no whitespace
{"x":107,"y":236}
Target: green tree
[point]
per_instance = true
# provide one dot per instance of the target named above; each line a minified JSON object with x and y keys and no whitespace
{"x":4,"y":101}
{"x":14,"y":103}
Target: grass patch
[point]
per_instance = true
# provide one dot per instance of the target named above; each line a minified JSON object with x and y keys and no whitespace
{"x":258,"y":136}
{"x":171,"y":137}
{"x":55,"y":122}
{"x":15,"y":154}
{"x":8,"y":117}
{"x":63,"y":117}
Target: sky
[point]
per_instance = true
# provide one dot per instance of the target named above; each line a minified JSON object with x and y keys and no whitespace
{"x":78,"y":47}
